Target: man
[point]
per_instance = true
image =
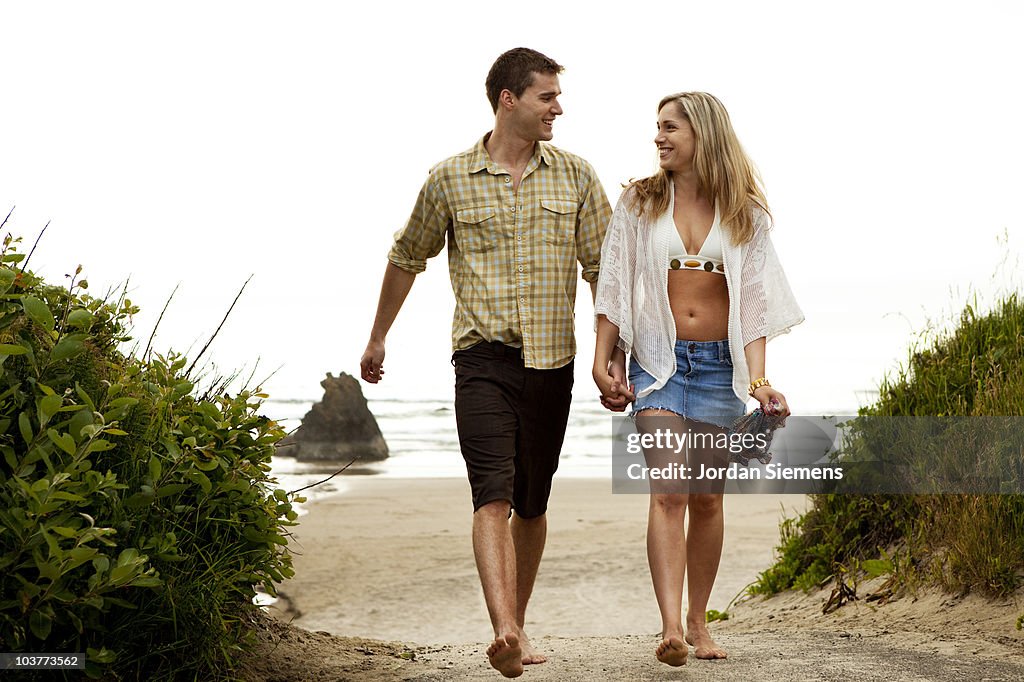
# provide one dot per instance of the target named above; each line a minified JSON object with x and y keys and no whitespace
{"x":518,"y":214}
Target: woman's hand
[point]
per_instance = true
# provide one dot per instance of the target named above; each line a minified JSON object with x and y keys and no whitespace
{"x":772,"y":401}
{"x":612,"y":382}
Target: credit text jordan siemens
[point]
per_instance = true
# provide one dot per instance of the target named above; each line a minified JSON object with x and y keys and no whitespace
{"x":666,"y":440}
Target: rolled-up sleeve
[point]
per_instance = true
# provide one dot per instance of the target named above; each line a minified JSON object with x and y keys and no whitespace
{"x":591,"y":223}
{"x":423,"y":236}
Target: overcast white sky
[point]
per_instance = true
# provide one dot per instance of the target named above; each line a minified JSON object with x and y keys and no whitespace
{"x":203,"y":142}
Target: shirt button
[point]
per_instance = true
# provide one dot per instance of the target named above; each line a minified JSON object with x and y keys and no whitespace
{"x":513,"y":209}
{"x":508,"y":180}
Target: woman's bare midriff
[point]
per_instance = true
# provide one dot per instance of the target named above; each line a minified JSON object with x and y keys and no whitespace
{"x":700,"y":305}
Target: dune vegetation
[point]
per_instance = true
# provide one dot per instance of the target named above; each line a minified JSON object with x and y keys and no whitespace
{"x":959,"y":542}
{"x":138,"y":517}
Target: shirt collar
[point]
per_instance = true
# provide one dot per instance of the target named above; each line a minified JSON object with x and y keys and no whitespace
{"x":481,"y":160}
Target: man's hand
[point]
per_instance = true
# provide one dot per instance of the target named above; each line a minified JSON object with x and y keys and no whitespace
{"x":371,"y":366}
{"x":393,"y":290}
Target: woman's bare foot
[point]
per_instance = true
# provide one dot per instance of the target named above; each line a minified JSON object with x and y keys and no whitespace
{"x":672,"y":651}
{"x":506,"y":656}
{"x":703,"y":646}
{"x":530,"y":655}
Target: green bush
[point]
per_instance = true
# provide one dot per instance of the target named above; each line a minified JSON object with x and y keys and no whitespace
{"x":137,"y":518}
{"x":960,"y":542}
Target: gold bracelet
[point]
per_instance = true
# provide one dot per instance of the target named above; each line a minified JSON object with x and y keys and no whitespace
{"x":756,"y":384}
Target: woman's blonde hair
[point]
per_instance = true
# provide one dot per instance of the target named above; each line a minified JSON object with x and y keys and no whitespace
{"x":725,"y":174}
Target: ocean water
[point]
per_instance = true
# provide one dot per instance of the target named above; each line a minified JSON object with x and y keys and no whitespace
{"x":423,"y":442}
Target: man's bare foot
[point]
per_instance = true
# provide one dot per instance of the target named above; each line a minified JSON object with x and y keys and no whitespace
{"x":672,"y":651}
{"x":703,"y":646}
{"x":506,"y":656}
{"x":530,"y":655}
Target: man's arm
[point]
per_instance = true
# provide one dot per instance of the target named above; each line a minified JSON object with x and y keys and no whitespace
{"x":393,"y":291}
{"x":422,"y":237}
{"x":591,"y":223}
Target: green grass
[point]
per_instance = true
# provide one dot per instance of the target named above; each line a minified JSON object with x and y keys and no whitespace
{"x":961,"y":543}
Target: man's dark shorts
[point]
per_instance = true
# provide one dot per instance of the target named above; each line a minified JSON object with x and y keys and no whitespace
{"x":511,"y":422}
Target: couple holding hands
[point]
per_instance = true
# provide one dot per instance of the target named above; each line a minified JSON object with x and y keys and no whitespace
{"x":686,"y":283}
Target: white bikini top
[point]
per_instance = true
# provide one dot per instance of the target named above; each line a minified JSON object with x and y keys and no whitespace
{"x":709,"y":258}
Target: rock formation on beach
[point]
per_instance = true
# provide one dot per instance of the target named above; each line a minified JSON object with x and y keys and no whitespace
{"x":339,"y":427}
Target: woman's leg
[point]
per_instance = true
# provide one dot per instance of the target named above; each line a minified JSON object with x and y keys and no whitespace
{"x":666,"y":555}
{"x":666,"y":539}
{"x":703,"y":552}
{"x":705,"y":533}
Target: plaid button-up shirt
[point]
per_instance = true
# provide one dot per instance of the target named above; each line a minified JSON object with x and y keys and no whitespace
{"x":511,"y":255}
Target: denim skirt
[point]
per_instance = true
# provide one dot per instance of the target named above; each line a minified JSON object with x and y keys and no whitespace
{"x":700,"y":389}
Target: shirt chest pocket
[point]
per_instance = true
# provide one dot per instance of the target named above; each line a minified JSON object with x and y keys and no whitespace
{"x":476,"y":229}
{"x":558,"y":221}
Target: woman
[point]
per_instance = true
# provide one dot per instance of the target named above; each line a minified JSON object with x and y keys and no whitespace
{"x":691,"y":288}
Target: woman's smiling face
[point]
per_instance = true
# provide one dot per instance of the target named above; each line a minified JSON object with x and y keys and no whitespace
{"x":676,"y":140}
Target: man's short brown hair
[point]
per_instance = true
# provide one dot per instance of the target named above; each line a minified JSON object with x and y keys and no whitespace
{"x":513,"y":71}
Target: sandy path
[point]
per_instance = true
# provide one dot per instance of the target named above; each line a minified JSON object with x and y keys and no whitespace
{"x":392,"y":559}
{"x":386,"y":590}
{"x":779,"y":655}
{"x":812,"y":656}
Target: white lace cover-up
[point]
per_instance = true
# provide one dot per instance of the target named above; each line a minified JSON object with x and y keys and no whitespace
{"x":632,"y":292}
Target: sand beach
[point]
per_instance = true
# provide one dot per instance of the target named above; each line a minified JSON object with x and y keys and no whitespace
{"x":385,"y":588}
